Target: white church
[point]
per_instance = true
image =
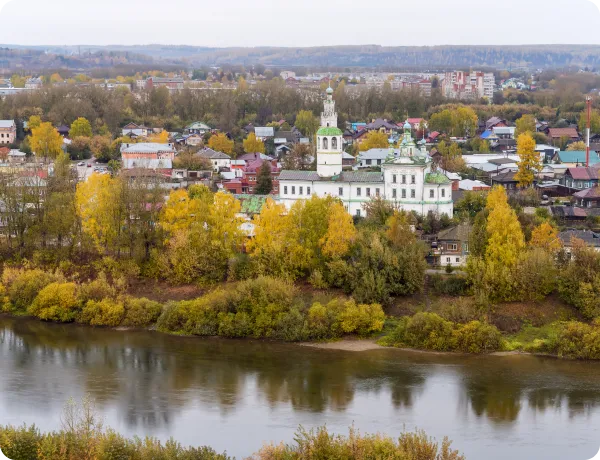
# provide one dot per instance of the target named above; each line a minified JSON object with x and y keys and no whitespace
{"x":406,"y":178}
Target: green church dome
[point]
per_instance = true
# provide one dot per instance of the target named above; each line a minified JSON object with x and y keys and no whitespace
{"x":329,"y":131}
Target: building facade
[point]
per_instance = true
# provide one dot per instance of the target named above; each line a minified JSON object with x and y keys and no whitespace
{"x":8,"y":131}
{"x":469,"y":85}
{"x":406,"y":178}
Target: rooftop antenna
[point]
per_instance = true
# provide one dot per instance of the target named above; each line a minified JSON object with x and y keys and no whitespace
{"x":588,"y":103}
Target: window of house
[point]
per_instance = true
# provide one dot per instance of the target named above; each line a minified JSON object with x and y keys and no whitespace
{"x":443,"y":193}
{"x":452,"y":247}
{"x":447,"y":259}
{"x":358,"y":191}
{"x":431,"y":193}
{"x":376,"y":192}
{"x":358,"y":213}
{"x":300,"y":190}
{"x":368,"y":162}
{"x":285,"y":189}
{"x":403,"y":193}
{"x":413,"y":179}
{"x":393,"y":178}
{"x":308,"y":190}
{"x":378,"y":162}
{"x":404,"y":178}
{"x":393,"y":193}
{"x":293,"y":190}
{"x":458,"y":260}
{"x":412,"y":193}
{"x":368,"y":191}
{"x":341,"y":191}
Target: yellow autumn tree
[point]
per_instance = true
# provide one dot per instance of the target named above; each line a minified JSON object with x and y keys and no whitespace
{"x":375,"y":140}
{"x":45,"y":141}
{"x":224,"y":223}
{"x":399,"y":230}
{"x":34,"y":121}
{"x":160,"y":138}
{"x":253,"y":145}
{"x":545,"y":237}
{"x":529,"y":160}
{"x":181,"y":212}
{"x":80,"y":128}
{"x":221,"y":143}
{"x":505,"y":236}
{"x":269,"y":248}
{"x":340,"y":232}
{"x":99,"y":208}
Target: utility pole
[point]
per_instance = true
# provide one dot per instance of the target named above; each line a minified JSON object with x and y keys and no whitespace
{"x":588,"y":103}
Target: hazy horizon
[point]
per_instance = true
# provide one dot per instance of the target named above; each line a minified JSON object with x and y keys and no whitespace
{"x":313,"y":24}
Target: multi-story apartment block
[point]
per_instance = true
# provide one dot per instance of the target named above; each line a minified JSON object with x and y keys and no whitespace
{"x":469,"y":85}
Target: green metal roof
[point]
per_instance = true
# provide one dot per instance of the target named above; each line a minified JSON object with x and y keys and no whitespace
{"x":577,"y":156}
{"x":329,"y":131}
{"x":251,"y":204}
{"x":436,"y":178}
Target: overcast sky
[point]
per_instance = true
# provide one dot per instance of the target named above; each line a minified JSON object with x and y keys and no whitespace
{"x":298,"y":23}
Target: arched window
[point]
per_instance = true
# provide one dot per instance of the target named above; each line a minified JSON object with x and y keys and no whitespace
{"x":325,"y":145}
{"x":334,"y":143}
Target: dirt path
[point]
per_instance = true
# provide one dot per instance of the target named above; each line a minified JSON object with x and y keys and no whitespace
{"x":346,"y":345}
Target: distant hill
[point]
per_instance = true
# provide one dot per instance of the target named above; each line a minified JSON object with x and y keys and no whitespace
{"x":372,"y":56}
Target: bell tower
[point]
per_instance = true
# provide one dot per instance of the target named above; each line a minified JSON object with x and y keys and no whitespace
{"x":329,"y":140}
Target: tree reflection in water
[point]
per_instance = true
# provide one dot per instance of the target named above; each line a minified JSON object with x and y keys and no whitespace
{"x":150,"y":378}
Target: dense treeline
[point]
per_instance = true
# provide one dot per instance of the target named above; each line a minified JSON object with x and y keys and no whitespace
{"x":84,"y":437}
{"x":271,"y":100}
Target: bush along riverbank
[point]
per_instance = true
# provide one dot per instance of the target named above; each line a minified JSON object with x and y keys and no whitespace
{"x":259,"y":308}
{"x":270,"y":308}
{"x":83,"y":437}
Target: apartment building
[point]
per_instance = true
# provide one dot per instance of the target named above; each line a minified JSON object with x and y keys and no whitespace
{"x":469,"y":85}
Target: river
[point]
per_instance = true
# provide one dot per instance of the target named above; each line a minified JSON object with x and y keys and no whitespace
{"x":234,"y":395}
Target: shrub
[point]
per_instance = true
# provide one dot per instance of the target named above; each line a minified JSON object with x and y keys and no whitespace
{"x":240,"y":268}
{"x":423,"y":330}
{"x":19,"y":443}
{"x":361,"y":319}
{"x":56,"y":302}
{"x":317,"y":280}
{"x":22,"y":286}
{"x":449,"y":285}
{"x":106,"y":312}
{"x":460,"y":310}
{"x":97,"y":290}
{"x":571,"y":338}
{"x":477,"y":337}
{"x":141,"y":312}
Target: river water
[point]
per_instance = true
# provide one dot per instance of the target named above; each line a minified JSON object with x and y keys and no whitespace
{"x":235,"y":395}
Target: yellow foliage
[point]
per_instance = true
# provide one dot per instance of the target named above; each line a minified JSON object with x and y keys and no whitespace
{"x":161,"y":138}
{"x":34,"y":121}
{"x":253,"y":145}
{"x":45,"y":141}
{"x":340,"y":232}
{"x":529,"y":163}
{"x":221,"y":143}
{"x":181,"y":212}
{"x":505,"y":236}
{"x":56,"y":302}
{"x":99,"y":208}
{"x":545,"y":236}
{"x":375,"y":140}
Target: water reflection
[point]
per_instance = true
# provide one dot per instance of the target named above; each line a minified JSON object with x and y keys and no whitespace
{"x":150,"y":381}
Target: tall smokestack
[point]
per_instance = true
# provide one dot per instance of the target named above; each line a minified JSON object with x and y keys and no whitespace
{"x":588,"y":102}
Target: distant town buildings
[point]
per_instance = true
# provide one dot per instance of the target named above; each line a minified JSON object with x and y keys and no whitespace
{"x":8,"y":131}
{"x":469,"y":85}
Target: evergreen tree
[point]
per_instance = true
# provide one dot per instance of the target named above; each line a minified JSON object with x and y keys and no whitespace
{"x":264,"y":181}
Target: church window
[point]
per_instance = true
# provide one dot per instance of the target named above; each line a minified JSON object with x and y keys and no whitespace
{"x":443,"y":193}
{"x":325,"y":144}
{"x":341,"y":191}
{"x":368,"y":191}
{"x":404,"y":178}
{"x":431,"y":193}
{"x":308,"y":190}
{"x":412,"y":193}
{"x":293,"y":190}
{"x":300,"y":190}
{"x":285,"y":189}
{"x":394,"y":178}
{"x":413,"y":179}
{"x":334,"y":143}
{"x":358,"y":213}
{"x":358,"y":191}
{"x":403,"y":193}
{"x":376,"y":192}
{"x":393,"y":193}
